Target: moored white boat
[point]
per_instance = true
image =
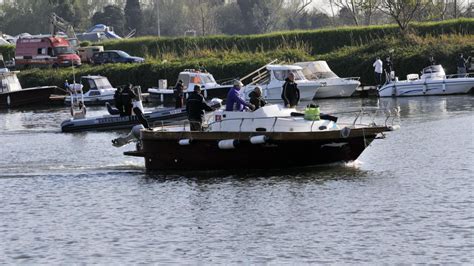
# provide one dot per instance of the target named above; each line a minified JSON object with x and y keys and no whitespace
{"x":98,"y":91}
{"x":190,"y":77}
{"x":272,"y":80}
{"x":433,"y":81}
{"x":332,"y":85}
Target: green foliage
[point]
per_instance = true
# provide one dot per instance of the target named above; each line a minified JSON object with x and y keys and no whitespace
{"x":85,"y":44}
{"x":318,"y":41}
{"x":235,"y":56}
{"x":8,"y":51}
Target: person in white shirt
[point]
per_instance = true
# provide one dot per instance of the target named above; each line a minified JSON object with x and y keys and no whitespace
{"x":378,"y":65}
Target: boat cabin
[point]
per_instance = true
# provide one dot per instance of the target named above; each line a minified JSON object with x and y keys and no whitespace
{"x":191,"y":77}
{"x":9,"y":81}
{"x":433,"y":72}
{"x":317,"y":70}
{"x":96,"y":83}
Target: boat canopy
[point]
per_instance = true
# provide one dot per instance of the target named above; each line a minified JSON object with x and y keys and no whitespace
{"x":280,"y":72}
{"x":96,"y":83}
{"x":317,"y":70}
{"x":196,"y":77}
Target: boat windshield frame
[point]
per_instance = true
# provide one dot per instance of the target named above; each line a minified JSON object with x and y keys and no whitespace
{"x":432,"y":69}
{"x":282,"y":74}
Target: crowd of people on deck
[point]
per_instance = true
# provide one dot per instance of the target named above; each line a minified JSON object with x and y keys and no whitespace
{"x":380,"y":68}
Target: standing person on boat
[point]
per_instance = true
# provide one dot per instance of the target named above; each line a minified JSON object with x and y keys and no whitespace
{"x":234,"y":102}
{"x":378,"y":66}
{"x":179,"y":94}
{"x":432,"y":60}
{"x":290,"y":93}
{"x":195,"y":107}
{"x":118,"y":100}
{"x":461,"y":63}
{"x":256,"y":98}
{"x":126,"y":96}
{"x":389,"y":70}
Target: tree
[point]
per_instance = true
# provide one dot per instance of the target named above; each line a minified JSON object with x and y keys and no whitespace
{"x":402,"y":11}
{"x":133,"y":16}
{"x":229,"y":19}
{"x":111,"y":16}
{"x":349,"y":7}
{"x":267,"y":15}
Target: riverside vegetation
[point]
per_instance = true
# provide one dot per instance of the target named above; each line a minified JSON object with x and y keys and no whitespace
{"x":350,"y":51}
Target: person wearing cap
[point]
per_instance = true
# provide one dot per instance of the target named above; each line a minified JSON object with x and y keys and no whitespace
{"x":234,"y":102}
{"x":290,"y":93}
{"x":178,"y":91}
{"x":256,"y":98}
{"x":195,"y":107}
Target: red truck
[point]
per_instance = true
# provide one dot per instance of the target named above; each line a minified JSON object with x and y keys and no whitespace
{"x":45,"y":52}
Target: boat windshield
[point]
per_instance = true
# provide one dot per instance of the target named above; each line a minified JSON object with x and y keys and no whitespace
{"x":283,"y":74}
{"x":207,"y":79}
{"x":433,"y":69}
{"x":63,"y":50}
{"x":102,"y":83}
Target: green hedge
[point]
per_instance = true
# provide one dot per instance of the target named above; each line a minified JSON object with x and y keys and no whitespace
{"x":222,"y":66}
{"x":8,"y":51}
{"x":318,"y":41}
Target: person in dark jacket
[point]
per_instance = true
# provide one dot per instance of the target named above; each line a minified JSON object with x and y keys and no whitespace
{"x":290,"y":93}
{"x":389,"y":70}
{"x":126,"y":96}
{"x":179,"y":94}
{"x":118,"y":101}
{"x":195,"y":107}
{"x":461,"y":63}
{"x":432,"y":61}
{"x":256,"y":98}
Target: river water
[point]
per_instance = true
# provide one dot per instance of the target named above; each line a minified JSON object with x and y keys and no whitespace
{"x":73,"y":198}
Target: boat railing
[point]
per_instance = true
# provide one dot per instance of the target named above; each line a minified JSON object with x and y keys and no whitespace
{"x":257,"y":71}
{"x":352,"y":78}
{"x":464,"y":75}
{"x":363,"y":117}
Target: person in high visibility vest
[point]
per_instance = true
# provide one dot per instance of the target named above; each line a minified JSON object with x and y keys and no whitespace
{"x":312,"y":112}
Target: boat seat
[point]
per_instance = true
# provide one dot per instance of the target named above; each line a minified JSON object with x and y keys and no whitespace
{"x":413,"y":77}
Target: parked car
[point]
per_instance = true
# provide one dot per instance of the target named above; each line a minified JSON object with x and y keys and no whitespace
{"x":115,"y":56}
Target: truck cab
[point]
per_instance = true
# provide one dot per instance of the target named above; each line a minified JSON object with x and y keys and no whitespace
{"x":45,"y":52}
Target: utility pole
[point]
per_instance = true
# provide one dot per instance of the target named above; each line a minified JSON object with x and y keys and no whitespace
{"x":158,"y":17}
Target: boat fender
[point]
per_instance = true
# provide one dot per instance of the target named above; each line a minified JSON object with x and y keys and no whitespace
{"x":259,"y":139}
{"x":227,"y":144}
{"x":345,"y":132}
{"x":184,"y":142}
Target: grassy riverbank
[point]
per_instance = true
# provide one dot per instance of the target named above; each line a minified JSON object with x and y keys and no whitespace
{"x":349,"y":52}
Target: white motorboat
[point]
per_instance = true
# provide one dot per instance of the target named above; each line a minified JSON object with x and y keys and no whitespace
{"x":271,"y":81}
{"x":332,"y":85}
{"x":98,"y":91}
{"x":433,"y":81}
{"x":270,"y":137}
{"x":190,"y":77}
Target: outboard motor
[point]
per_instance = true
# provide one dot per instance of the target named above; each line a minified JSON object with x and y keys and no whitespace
{"x":133,"y":136}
